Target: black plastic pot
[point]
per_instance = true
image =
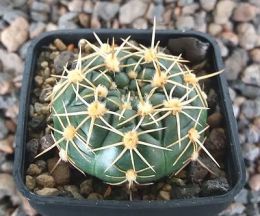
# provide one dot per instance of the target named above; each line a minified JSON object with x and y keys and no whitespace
{"x":203,"y":206}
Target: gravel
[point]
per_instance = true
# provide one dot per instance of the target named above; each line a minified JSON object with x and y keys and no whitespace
{"x":236,"y":26}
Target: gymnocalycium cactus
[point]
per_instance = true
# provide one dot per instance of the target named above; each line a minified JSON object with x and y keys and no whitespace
{"x":129,"y":113}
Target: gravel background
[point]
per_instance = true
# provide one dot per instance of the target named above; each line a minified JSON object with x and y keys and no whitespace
{"x":235,"y":24}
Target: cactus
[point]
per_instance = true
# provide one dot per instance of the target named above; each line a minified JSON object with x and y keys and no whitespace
{"x":129,"y":113}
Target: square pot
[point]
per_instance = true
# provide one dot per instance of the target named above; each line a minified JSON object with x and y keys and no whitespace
{"x":203,"y":206}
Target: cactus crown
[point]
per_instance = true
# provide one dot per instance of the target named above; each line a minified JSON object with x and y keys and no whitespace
{"x":128,"y":113}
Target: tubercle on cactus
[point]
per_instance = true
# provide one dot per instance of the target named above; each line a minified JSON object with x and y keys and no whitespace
{"x":129,"y":114}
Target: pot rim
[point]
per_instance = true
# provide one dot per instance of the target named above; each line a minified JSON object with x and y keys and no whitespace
{"x":18,"y":172}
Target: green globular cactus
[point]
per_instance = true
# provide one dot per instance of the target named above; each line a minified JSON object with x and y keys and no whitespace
{"x":129,"y":113}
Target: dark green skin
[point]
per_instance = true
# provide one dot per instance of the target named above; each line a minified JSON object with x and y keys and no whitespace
{"x":161,"y":160}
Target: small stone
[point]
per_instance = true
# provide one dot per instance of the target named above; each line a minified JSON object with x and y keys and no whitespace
{"x":251,"y":108}
{"x":132,"y":10}
{"x":197,"y":173}
{"x":164,"y":195}
{"x":106,"y":10}
{"x":185,"y":2}
{"x":254,"y":196}
{"x":12,"y":111}
{"x":52,"y":81}
{"x":6,"y":145}
{"x":51,"y":27}
{"x":247,"y":35}
{"x":228,"y":26}
{"x":68,"y":21}
{"x":39,"y":16}
{"x":44,"y":95}
{"x":140,"y":23}
{"x":242,"y":196}
{"x":254,"y":182}
{"x":23,"y":49}
{"x":187,"y":191}
{"x":244,"y":12}
{"x":30,"y":182}
{"x":232,"y":94}
{"x":223,"y":48}
{"x":236,"y":110}
{"x":185,"y":22}
{"x":214,"y":29}
{"x":215,"y":187}
{"x":10,"y":15}
{"x":208,"y":5}
{"x":59,"y":44}
{"x":84,"y":19}
{"x":3,"y":129}
{"x":3,"y":24}
{"x":95,"y":196}
{"x":216,"y":142}
{"x":8,"y":188}
{"x":15,"y":35}
{"x":255,"y":2}
{"x":212,"y":98}
{"x":88,"y":6}
{"x":40,"y":7}
{"x":61,"y":173}
{"x":190,"y":9}
{"x":167,"y":16}
{"x":252,"y":210}
{"x":249,"y":91}
{"x":45,"y":142}
{"x":36,"y":28}
{"x":229,"y":38}
{"x":74,"y":191}
{"x":11,"y":62}
{"x":255,"y":55}
{"x":167,"y":187}
{"x":41,"y":164}
{"x":48,"y":192}
{"x":18,"y":3}
{"x":95,"y":23}
{"x":233,"y":209}
{"x":7,"y":166}
{"x":45,"y":180}
{"x":27,"y":207}
{"x":192,"y":49}
{"x":86,"y":187}
{"x":37,"y":122}
{"x":251,"y":75}
{"x":44,"y":64}
{"x":199,"y":19}
{"x":33,"y":170}
{"x":32,"y":148}
{"x":38,"y":80}
{"x":61,"y":60}
{"x":18,"y":212}
{"x":257,"y":122}
{"x":75,"y":5}
{"x":235,"y":63}
{"x":155,"y":11}
{"x":10,"y":125}
{"x":223,"y":11}
{"x":215,"y":120}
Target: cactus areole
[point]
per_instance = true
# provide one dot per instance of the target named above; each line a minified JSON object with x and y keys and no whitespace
{"x":128,"y":113}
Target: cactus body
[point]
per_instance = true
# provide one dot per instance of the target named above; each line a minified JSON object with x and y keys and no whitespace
{"x":129,"y":114}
